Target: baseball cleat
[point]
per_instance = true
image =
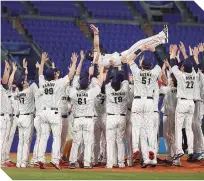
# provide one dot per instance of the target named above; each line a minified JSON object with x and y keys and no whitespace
{"x":176,"y":156}
{"x":88,"y":167}
{"x":151,"y":155}
{"x":23,"y":165}
{"x":153,"y":165}
{"x":12,"y":163}
{"x":72,"y":165}
{"x":42,"y":165}
{"x":115,"y":166}
{"x":135,"y":155}
{"x":144,"y":165}
{"x":57,"y":166}
{"x":36,"y":164}
{"x":175,"y":164}
{"x":9,"y":164}
{"x":122,"y":165}
{"x":165,"y":30}
{"x":198,"y":156}
{"x":18,"y":165}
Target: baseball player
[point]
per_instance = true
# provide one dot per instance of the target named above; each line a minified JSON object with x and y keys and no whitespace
{"x":25,"y":120}
{"x":4,"y":116}
{"x":155,"y":40}
{"x":83,"y":128}
{"x":128,"y":122}
{"x":143,"y":106}
{"x":198,"y":146}
{"x":51,"y":116}
{"x":14,"y":109}
{"x":169,"y":109}
{"x":186,"y":78}
{"x":116,"y":108}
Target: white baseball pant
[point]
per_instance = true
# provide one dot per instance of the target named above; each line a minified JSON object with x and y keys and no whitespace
{"x":129,"y":138}
{"x":142,"y":124}
{"x":4,"y":121}
{"x":103,"y":148}
{"x":11,"y":132}
{"x":64,"y":133}
{"x":99,"y":129}
{"x":184,"y":115}
{"x":25,"y":130}
{"x":50,"y":120}
{"x":37,"y":125}
{"x":169,"y":135}
{"x":153,"y":137}
{"x":198,"y":144}
{"x":115,"y":133}
{"x":83,"y":131}
{"x":155,"y":40}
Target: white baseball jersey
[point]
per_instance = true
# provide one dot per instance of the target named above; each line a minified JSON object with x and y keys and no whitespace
{"x":14,"y":101}
{"x":156,"y":97}
{"x":131,"y":96}
{"x":100,"y":104}
{"x":186,"y":83}
{"x":83,"y":100}
{"x":53,"y":90}
{"x":170,"y":101}
{"x":26,"y":99}
{"x":198,"y":86}
{"x":39,"y":100}
{"x":3,"y":100}
{"x":202,"y":85}
{"x":144,"y":80}
{"x":9,"y":102}
{"x":64,"y":103}
{"x":117,"y":101}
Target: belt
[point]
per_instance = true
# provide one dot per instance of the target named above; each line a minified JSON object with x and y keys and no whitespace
{"x":183,"y":99}
{"x":116,"y":114}
{"x":139,"y":97}
{"x":52,"y":108}
{"x":64,"y":116}
{"x":26,"y":114}
{"x":11,"y":115}
{"x":84,"y":117}
{"x":2,"y":114}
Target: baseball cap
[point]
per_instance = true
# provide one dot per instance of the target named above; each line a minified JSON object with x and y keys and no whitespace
{"x":187,"y":66}
{"x":49,"y":74}
{"x":147,"y":63}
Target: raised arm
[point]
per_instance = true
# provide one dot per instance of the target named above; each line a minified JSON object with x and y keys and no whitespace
{"x":100,"y":77}
{"x":11,"y":78}
{"x":183,"y":50}
{"x":173,"y":60}
{"x":156,"y":54}
{"x":44,"y":58}
{"x":96,"y":38}
{"x":125,"y":66}
{"x":73,"y":66}
{"x":109,"y":71}
{"x":25,"y":67}
{"x":82,"y":55}
{"x":7,"y":70}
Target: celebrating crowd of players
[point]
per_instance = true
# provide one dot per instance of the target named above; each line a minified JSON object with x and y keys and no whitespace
{"x":106,"y":107}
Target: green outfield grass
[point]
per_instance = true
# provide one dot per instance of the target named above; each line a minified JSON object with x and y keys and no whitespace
{"x":36,"y":174}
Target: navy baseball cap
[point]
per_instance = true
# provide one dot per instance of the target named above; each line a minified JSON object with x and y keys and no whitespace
{"x":187,"y":66}
{"x":49,"y":74}
{"x":147,"y":63}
